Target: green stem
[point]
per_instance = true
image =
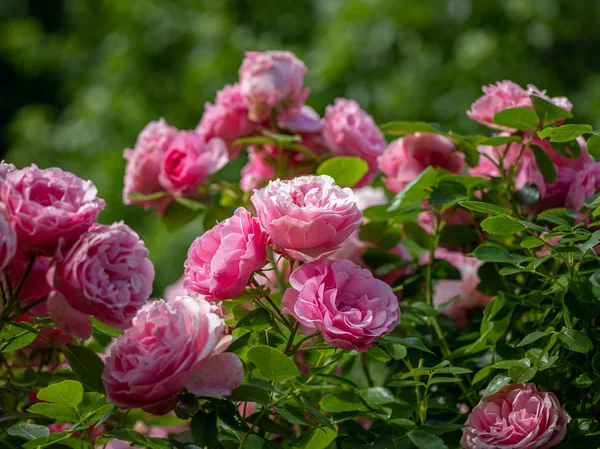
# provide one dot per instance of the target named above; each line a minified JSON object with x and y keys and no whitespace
{"x":290,"y":342}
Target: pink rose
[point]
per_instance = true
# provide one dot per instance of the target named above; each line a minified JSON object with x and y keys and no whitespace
{"x":517,"y":417}
{"x":174,"y":290}
{"x":35,"y":286}
{"x":307,"y":217}
{"x":5,"y":169}
{"x":221,"y":262}
{"x":370,"y":196}
{"x":106,"y":273}
{"x":405,"y":158}
{"x":227,"y":118}
{"x":171,"y":346}
{"x":8,"y":240}
{"x":257,"y":171}
{"x":304,"y":119}
{"x":505,"y":95}
{"x":583,"y":184}
{"x":190,"y":159}
{"x":269,"y":79}
{"x":143,"y":164}
{"x":49,"y":206}
{"x":465,"y":288}
{"x":67,"y":319}
{"x":350,"y":131}
{"x":346,"y":303}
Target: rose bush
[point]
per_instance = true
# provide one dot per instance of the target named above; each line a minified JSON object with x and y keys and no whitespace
{"x":350,"y":285}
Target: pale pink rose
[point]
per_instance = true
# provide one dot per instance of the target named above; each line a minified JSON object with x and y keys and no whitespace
{"x":307,"y":217}
{"x":35,"y":287}
{"x":175,"y":289}
{"x":171,"y":346}
{"x":5,"y":169}
{"x":350,"y":131}
{"x":257,"y":171}
{"x":106,"y":273}
{"x":344,"y":302}
{"x":143,"y":164}
{"x":505,"y":95}
{"x":227,"y":118}
{"x":8,"y":240}
{"x":48,"y":207}
{"x":465,"y":288}
{"x":517,"y":417}
{"x":189,"y":160}
{"x":221,"y":261}
{"x":270,"y":79}
{"x":304,"y":119}
{"x":67,"y":319}
{"x":370,"y":196}
{"x":405,"y":158}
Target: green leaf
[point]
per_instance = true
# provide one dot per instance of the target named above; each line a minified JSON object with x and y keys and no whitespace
{"x":548,"y":111}
{"x":518,"y":118}
{"x":337,"y":380}
{"x":528,"y":339}
{"x":102,"y":328}
{"x":500,"y":140}
{"x":67,"y":392}
{"x":501,"y":225}
{"x":416,"y":190}
{"x":464,"y":180}
{"x":176,"y":216}
{"x":486,"y":208}
{"x":320,"y":438}
{"x":482,"y":374}
{"x":376,"y":213}
{"x":376,"y":396}
{"x":13,"y":338}
{"x":347,"y":401}
{"x":191,"y":203}
{"x":282,"y":138}
{"x":565,"y":133}
{"x":439,"y":427}
{"x":272,"y":363}
{"x":256,"y":320}
{"x":417,"y":234}
{"x":544,"y":163}
{"x":86,"y":365}
{"x":521,"y":374}
{"x":250,"y":393}
{"x":29,"y":431}
{"x":424,"y":440}
{"x":204,"y":429}
{"x":346,"y":171}
{"x":403,"y":128}
{"x":490,"y":253}
{"x":409,"y":342}
{"x":575,"y":340}
{"x":497,"y":384}
{"x":61,"y":413}
{"x":593,"y":146}
{"x":531,"y":242}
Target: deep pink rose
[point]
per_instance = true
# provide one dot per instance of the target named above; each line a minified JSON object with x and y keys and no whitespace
{"x":464,"y":290}
{"x":405,"y":158}
{"x":171,"y":346}
{"x":106,"y":273}
{"x":189,"y":159}
{"x":505,"y":95}
{"x":8,"y":240}
{"x":344,"y":302}
{"x":304,"y":119}
{"x":143,"y":164}
{"x":35,"y":286}
{"x":583,"y":185}
{"x":350,"y":131}
{"x":269,"y":79}
{"x":221,"y":262}
{"x":227,"y":118}
{"x":67,"y":319}
{"x":48,"y":207}
{"x":257,"y":171}
{"x":517,"y":417}
{"x":307,"y":217}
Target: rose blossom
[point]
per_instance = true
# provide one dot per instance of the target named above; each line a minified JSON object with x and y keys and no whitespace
{"x":257,"y":171}
{"x":517,"y":417}
{"x":5,"y":169}
{"x":171,"y":346}
{"x":307,"y":217}
{"x":465,"y":288}
{"x":49,"y":206}
{"x":8,"y":240}
{"x":227,"y":118}
{"x":346,"y":303}
{"x":350,"y":131}
{"x":304,"y":119}
{"x":584,"y":184}
{"x":143,"y":164}
{"x":269,"y":79}
{"x":189,"y":159}
{"x":67,"y":319}
{"x":221,"y":261}
{"x":106,"y":273}
{"x":405,"y":158}
{"x":36,"y":286}
{"x":505,"y":95}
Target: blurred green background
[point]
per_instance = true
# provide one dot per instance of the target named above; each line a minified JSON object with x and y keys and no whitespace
{"x":82,"y":77}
